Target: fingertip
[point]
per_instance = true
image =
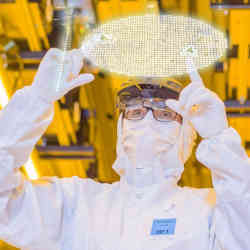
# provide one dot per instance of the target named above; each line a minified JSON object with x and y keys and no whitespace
{"x":84,"y":78}
{"x":91,"y":77}
{"x":81,"y":80}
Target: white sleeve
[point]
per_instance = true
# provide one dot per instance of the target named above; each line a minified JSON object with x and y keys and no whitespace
{"x":22,"y":123}
{"x":230,"y":167}
{"x":31,"y":212}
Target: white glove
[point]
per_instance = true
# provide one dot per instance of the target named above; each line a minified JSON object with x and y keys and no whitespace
{"x":58,"y":74}
{"x":201,"y":107}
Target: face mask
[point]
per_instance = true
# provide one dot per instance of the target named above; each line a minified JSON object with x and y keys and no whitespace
{"x":148,"y":151}
{"x":147,"y":141}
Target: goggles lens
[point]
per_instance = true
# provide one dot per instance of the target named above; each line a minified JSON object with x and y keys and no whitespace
{"x":164,"y":115}
{"x":160,"y":113}
{"x":135,"y":113}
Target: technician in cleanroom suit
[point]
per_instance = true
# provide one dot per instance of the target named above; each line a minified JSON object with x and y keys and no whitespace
{"x":146,"y":210}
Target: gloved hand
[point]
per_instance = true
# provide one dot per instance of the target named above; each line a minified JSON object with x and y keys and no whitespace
{"x":201,"y":107}
{"x":58,"y":74}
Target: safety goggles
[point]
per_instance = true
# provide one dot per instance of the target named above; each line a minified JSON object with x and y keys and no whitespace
{"x":137,"y":108}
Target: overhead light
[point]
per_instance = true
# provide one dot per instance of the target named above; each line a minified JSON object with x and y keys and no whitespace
{"x":29,"y":166}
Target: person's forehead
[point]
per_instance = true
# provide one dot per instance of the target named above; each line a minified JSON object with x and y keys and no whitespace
{"x":149,"y":91}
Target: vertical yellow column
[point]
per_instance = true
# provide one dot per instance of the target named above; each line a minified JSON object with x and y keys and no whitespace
{"x":169,"y":5}
{"x":221,"y":18}
{"x":239,"y":67}
{"x":203,"y":11}
{"x":31,"y":31}
{"x":184,"y":6}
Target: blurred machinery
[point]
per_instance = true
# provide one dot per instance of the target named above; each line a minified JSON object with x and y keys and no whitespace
{"x":81,"y":140}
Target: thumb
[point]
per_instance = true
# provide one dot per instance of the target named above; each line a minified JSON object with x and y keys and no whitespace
{"x":174,"y":105}
{"x":81,"y":80}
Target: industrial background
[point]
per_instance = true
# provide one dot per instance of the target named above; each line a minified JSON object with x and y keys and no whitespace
{"x":82,"y":137}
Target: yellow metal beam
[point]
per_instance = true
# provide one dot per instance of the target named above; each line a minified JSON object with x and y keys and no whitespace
{"x":31,"y":31}
{"x":221,"y":20}
{"x":39,"y":24}
{"x":184,"y":6}
{"x":239,"y":77}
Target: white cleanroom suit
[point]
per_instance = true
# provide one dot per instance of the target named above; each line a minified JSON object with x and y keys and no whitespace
{"x":77,"y":214}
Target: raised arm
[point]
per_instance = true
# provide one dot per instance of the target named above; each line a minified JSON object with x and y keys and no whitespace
{"x":220,"y":151}
{"x":230,"y":168}
{"x":31,"y":212}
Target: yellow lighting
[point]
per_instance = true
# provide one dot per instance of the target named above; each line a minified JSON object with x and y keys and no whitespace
{"x":30,"y":170}
{"x":154,"y":45}
{"x":3,"y":95}
{"x":29,"y":166}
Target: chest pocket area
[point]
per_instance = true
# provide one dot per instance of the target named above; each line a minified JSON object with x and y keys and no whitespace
{"x":188,"y":233}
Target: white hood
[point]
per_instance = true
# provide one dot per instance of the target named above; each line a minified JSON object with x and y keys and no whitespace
{"x":148,"y":151}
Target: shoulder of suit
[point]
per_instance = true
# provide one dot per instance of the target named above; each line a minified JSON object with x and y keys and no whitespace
{"x":205,"y":195}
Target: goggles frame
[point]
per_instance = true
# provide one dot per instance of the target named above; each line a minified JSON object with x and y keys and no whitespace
{"x":149,"y":97}
{"x":156,"y":105}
